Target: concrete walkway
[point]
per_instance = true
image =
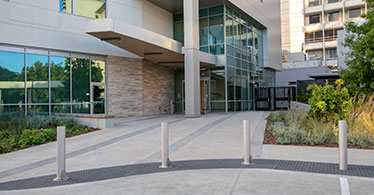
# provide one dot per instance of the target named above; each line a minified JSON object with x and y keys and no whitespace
{"x":214,"y":136}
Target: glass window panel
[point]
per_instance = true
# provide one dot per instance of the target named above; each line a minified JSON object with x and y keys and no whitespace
{"x":313,"y":3}
{"x":230,"y":50}
{"x":217,"y":49}
{"x":255,"y":46}
{"x":216,"y":35}
{"x":216,"y":10}
{"x":98,"y":99}
{"x":12,"y":78}
{"x":238,"y":63}
{"x":244,"y":84}
{"x":179,"y":32}
{"x":230,"y":84}
{"x":60,"y":79}
{"x":238,"y":106}
{"x":218,"y":84}
{"x":335,"y":16}
{"x":204,"y":31}
{"x":250,"y":40}
{"x":90,"y":8}
{"x":203,"y":13}
{"x":33,"y":110}
{"x":355,"y":13}
{"x":11,"y":111}
{"x":314,"y":19}
{"x":236,"y":34}
{"x":218,"y":107}
{"x":178,"y":17}
{"x":238,"y":90}
{"x":229,"y":30}
{"x":60,"y":109}
{"x":37,"y":78}
{"x":243,"y":37}
{"x":98,"y":71}
{"x":81,"y":108}
{"x":204,"y":49}
{"x":231,"y":106}
{"x":333,"y":1}
{"x":245,"y":106}
{"x":80,"y":80}
{"x":230,"y":61}
{"x":66,"y":6}
{"x":228,"y":11}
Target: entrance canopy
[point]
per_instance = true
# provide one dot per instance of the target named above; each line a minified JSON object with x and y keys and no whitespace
{"x":152,"y":46}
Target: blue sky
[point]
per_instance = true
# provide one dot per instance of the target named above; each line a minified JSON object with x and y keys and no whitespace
{"x":15,"y":61}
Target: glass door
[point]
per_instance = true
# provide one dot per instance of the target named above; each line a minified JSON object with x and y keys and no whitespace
{"x":98,"y":98}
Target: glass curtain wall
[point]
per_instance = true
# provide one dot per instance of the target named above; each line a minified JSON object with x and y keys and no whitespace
{"x":244,"y":43}
{"x":211,"y":25}
{"x":224,"y":31}
{"x":46,"y":84}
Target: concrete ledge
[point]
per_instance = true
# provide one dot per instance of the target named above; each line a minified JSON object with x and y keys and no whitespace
{"x":100,"y":121}
{"x":300,"y":106}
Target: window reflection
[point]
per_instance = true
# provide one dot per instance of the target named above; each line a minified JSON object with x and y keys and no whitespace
{"x":98,"y":71}
{"x":12,"y":78}
{"x":37,"y":78}
{"x":60,"y":79}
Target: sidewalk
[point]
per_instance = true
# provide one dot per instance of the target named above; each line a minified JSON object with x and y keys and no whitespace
{"x":132,"y":148}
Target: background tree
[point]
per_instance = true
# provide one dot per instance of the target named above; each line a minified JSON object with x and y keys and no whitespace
{"x":360,"y":58}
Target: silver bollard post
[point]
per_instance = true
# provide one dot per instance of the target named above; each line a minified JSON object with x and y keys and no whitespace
{"x":61,"y":155}
{"x":343,"y":157}
{"x":164,"y":145}
{"x":247,"y":143}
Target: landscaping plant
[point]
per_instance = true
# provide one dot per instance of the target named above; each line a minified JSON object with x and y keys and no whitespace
{"x":329,"y":103}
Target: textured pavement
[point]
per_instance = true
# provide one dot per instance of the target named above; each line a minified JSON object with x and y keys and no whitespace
{"x":206,"y":155}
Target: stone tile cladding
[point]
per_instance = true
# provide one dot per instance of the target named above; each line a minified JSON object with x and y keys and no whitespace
{"x":137,"y":87}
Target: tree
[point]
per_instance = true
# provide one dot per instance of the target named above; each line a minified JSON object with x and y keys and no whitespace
{"x":360,"y":58}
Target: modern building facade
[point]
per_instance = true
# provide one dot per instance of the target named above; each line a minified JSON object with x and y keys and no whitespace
{"x":136,"y":57}
{"x":311,"y":26}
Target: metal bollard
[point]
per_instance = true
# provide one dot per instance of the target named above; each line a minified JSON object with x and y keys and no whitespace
{"x":61,"y":155}
{"x":247,"y":143}
{"x":343,"y":157}
{"x":164,"y":145}
{"x":171,"y":106}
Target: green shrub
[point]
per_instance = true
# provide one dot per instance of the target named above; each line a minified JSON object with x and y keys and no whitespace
{"x":277,"y":116}
{"x":292,"y":134}
{"x":329,"y":103}
{"x":318,"y":138}
{"x":303,"y":96}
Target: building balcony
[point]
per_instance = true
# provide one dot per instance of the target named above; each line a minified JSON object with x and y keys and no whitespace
{"x":314,"y":45}
{"x":334,"y":6}
{"x":313,"y":27}
{"x":354,"y":3}
{"x":334,"y":25}
{"x":313,"y":10}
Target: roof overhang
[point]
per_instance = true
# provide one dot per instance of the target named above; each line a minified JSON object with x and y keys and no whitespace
{"x":151,"y":46}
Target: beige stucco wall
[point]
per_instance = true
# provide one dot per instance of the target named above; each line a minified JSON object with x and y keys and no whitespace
{"x":137,"y":87}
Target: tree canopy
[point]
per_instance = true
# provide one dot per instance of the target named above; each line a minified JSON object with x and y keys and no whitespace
{"x":360,"y":58}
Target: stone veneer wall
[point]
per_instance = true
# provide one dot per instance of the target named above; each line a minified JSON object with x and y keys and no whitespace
{"x":158,"y":86}
{"x":137,"y":87}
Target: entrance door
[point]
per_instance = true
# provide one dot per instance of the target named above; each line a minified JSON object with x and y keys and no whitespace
{"x":98,"y":98}
{"x":204,"y":95}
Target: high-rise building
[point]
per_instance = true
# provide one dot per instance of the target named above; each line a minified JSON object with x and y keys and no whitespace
{"x":135,"y":57}
{"x":311,"y":26}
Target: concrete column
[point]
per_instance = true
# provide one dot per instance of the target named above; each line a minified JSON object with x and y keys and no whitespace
{"x":191,"y":58}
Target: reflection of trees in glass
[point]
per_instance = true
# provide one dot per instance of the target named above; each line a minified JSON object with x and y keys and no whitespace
{"x":11,"y":95}
{"x":80,"y":68}
{"x":60,"y":81}
{"x":37,"y":90}
{"x":97,"y":72}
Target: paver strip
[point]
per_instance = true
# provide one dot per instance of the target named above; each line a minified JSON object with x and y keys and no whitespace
{"x":106,"y":173}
